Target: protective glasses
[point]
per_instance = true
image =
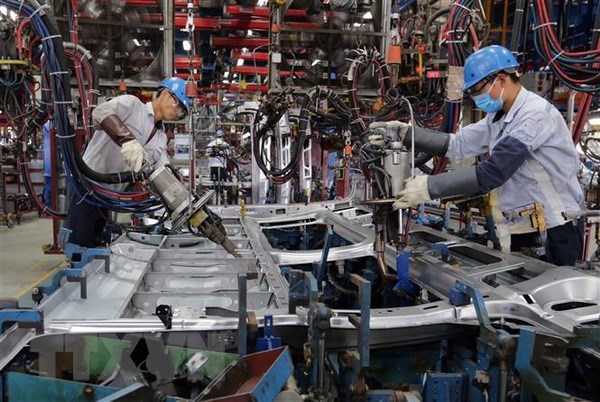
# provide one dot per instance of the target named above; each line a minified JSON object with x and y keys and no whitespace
{"x":178,"y":105}
{"x":478,"y":89}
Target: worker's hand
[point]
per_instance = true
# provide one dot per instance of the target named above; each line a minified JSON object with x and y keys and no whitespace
{"x":414,"y":193}
{"x":133,"y":155}
{"x":382,"y":131}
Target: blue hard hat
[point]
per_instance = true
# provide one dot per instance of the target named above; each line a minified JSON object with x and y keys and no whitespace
{"x":486,"y":62}
{"x":219,"y":133}
{"x":177,"y":87}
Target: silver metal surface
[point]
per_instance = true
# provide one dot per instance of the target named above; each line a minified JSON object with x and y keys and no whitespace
{"x":12,"y":341}
{"x":199,"y":280}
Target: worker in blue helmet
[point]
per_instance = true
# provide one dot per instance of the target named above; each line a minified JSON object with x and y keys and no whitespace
{"x":129,"y":133}
{"x":531,"y":160}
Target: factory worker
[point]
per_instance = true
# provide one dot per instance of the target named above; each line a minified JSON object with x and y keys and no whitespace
{"x":531,"y":158}
{"x":129,"y":133}
{"x":217,"y":151}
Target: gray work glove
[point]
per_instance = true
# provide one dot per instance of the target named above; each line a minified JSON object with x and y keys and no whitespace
{"x":387,"y":131}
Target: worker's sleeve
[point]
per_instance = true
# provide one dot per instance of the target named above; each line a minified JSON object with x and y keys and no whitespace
{"x":470,"y":141}
{"x":529,"y":130}
{"x":121,"y":107}
{"x":507,"y":156}
{"x":429,"y":141}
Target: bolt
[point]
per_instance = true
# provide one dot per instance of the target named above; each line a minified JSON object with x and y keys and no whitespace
{"x":159,"y":396}
{"x":88,"y":390}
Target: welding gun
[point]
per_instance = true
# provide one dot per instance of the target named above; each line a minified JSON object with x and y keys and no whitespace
{"x":186,"y":207}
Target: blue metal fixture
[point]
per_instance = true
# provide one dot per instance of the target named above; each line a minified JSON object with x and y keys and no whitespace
{"x":268,"y":341}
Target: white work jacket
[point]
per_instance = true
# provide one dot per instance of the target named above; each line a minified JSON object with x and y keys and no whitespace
{"x":221,"y":150}
{"x":103,"y":155}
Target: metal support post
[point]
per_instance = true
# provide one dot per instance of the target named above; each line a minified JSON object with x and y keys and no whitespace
{"x":460,"y":296}
{"x":242,"y":313}
{"x":363,"y":322}
{"x":260,"y":184}
{"x":318,"y":324}
{"x":275,"y":41}
{"x":283,"y":145}
{"x":532,"y":382}
{"x":54,"y":179}
{"x":385,"y":24}
{"x":306,"y":171}
{"x":192,"y":161}
{"x":169,"y":38}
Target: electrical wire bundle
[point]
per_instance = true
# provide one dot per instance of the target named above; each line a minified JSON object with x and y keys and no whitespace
{"x":19,"y":102}
{"x":463,"y":25}
{"x":364,"y":59}
{"x":273,"y":109}
{"x":81,"y":59}
{"x":370,"y":162}
{"x":577,"y":70}
{"x":84,"y":181}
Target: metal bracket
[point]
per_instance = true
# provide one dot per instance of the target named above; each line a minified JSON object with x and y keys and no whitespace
{"x":404,"y":286}
{"x":324,"y":255}
{"x":532,"y":382}
{"x":71,"y":274}
{"x":25,"y":316}
{"x":460,"y":296}
{"x":242,"y":337}
{"x":84,"y":254}
{"x":269,"y":340}
{"x":302,"y":288}
{"x":165,"y":313}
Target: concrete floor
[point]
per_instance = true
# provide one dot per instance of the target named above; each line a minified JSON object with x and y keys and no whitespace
{"x":23,"y":264}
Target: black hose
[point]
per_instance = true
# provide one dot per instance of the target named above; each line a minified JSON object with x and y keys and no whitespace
{"x":434,"y":17}
{"x":515,"y":36}
{"x":64,"y":84}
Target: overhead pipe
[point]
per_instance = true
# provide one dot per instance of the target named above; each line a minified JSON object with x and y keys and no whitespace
{"x":254,"y":11}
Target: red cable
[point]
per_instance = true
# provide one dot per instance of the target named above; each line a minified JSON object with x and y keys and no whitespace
{"x":19,"y":35}
{"x":545,"y":19}
{"x":134,"y":197}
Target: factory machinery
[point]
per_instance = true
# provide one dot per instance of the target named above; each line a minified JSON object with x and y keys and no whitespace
{"x":329,"y":300}
{"x":309,"y":310}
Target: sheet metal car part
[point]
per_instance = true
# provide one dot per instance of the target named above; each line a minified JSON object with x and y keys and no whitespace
{"x":516,"y":289}
{"x":197,"y":278}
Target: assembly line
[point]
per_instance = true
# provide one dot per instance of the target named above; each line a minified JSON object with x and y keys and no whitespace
{"x":302,"y":200}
